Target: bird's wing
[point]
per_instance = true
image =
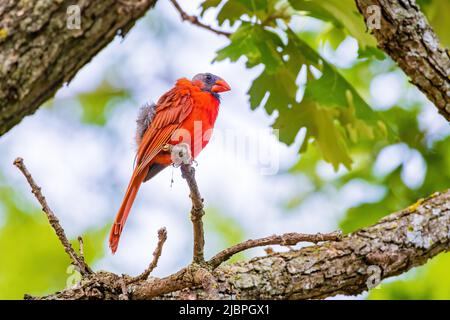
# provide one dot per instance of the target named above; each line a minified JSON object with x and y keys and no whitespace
{"x":171,"y":109}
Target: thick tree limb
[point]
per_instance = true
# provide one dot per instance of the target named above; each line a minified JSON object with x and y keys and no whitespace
{"x":39,"y":53}
{"x":406,"y":36}
{"x":394,"y":245}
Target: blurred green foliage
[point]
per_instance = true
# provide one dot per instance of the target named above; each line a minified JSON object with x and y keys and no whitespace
{"x":429,"y":282}
{"x":32,"y":259}
{"x":333,"y":108}
{"x":435,"y":12}
{"x":96,"y":104}
{"x":227,"y":229}
{"x":342,"y":14}
{"x":398,"y":195}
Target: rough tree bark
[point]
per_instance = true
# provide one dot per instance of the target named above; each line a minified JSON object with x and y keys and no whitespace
{"x":38,"y":53}
{"x":392,"y":246}
{"x":406,"y":36}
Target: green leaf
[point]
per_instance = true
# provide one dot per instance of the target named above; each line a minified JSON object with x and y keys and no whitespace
{"x":341,"y":13}
{"x":332,"y":130}
{"x":317,"y":10}
{"x":207,"y":4}
{"x":333,"y":112}
{"x":266,"y":11}
{"x":321,"y":128}
{"x":281,"y":88}
{"x":332,"y":90}
{"x":257,"y":44}
{"x":232,"y":11}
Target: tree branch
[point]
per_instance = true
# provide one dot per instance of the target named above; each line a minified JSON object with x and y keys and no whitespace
{"x":195,"y":21}
{"x":287,"y":239}
{"x":197,"y":212}
{"x":162,"y":237}
{"x":394,"y":245}
{"x":39,"y":52}
{"x":406,"y":36}
{"x":53,"y":220}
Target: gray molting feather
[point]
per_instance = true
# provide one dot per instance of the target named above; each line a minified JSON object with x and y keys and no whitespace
{"x":145,"y":117}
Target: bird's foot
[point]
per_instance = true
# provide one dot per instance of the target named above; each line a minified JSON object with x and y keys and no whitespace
{"x":179,"y":153}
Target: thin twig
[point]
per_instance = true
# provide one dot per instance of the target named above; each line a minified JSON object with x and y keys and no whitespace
{"x":162,"y":237}
{"x":194,"y":20}
{"x":197,"y":212}
{"x":286,"y":239}
{"x":52,"y":219}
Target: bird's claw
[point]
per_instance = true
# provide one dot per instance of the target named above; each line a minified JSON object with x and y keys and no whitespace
{"x":180,"y":154}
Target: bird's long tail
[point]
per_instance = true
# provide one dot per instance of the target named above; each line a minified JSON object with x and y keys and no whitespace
{"x":121,"y":217}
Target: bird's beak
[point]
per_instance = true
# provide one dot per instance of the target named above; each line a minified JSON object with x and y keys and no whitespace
{"x":220,"y":86}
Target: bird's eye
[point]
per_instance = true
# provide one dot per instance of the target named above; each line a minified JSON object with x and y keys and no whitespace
{"x":208,"y":77}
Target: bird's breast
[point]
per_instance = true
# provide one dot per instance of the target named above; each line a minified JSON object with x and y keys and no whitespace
{"x":196,"y":129}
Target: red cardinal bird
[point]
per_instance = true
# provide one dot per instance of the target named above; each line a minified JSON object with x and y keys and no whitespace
{"x":185,"y":114}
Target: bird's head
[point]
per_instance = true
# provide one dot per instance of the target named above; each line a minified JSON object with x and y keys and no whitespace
{"x":211,"y":83}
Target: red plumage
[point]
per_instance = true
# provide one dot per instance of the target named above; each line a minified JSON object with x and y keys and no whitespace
{"x":184,"y":114}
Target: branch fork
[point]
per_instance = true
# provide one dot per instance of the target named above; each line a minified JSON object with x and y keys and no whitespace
{"x":198,"y":273}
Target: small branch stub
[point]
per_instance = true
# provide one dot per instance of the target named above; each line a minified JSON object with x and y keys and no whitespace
{"x":162,"y":237}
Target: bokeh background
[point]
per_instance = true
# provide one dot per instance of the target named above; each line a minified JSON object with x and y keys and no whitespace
{"x":80,"y":149}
